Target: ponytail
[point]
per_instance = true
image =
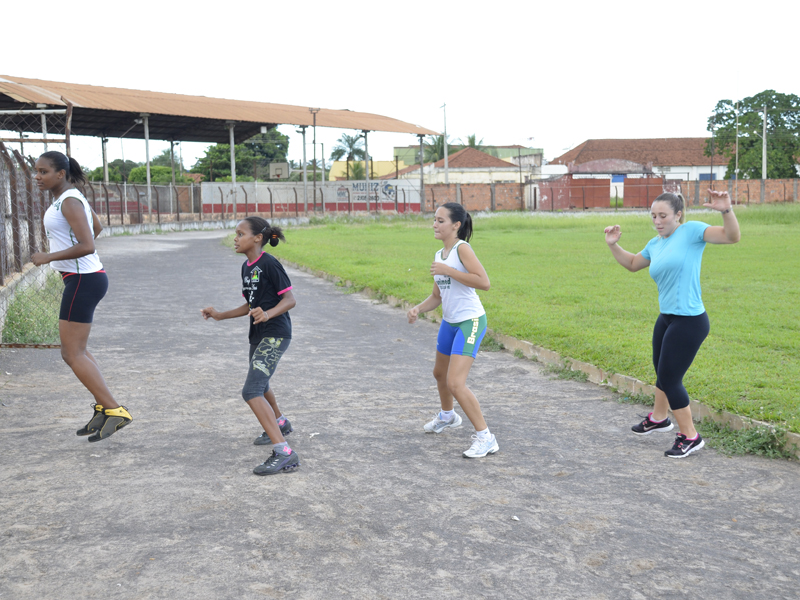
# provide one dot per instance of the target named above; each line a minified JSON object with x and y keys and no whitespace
{"x":61,"y":162}
{"x":459,"y":215}
{"x":272,"y":234}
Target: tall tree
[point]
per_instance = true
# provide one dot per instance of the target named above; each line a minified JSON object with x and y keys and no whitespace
{"x":783,"y":134}
{"x":267,"y":148}
{"x":216,"y":164}
{"x":434,"y":148}
{"x":473,"y":143}
{"x":350,"y":147}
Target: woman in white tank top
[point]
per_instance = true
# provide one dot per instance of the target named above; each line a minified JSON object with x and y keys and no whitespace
{"x":72,"y":227}
{"x":457,"y":273}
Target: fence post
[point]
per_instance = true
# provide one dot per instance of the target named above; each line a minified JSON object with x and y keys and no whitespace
{"x":244,"y":191}
{"x":349,"y":202}
{"x":108,"y":204}
{"x":29,"y":213}
{"x":158,"y":205}
{"x":763,"y":190}
{"x":221,"y":203}
{"x":270,"y":202}
{"x":296,"y":211}
{"x":493,"y":200}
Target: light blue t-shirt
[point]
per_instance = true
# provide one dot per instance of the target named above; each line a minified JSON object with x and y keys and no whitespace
{"x":675,"y":267}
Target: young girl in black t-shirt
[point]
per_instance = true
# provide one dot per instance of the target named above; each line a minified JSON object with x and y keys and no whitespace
{"x":267,"y":291}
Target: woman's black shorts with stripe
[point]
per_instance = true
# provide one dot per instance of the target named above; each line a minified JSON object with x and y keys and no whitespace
{"x":82,"y":294}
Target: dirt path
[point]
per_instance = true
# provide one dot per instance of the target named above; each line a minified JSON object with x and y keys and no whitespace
{"x":168,"y":508}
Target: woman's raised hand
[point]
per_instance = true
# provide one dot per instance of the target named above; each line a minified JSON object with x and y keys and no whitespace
{"x":613,"y":233}
{"x":718,"y":200}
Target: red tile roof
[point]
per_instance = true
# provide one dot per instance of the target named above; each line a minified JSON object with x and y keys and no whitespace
{"x":472,"y":158}
{"x":662,"y":152}
{"x":468,"y":158}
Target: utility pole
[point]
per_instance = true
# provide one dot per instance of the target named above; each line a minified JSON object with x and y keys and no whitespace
{"x":736,"y":168}
{"x":764,"y":147}
{"x":172,"y":159}
{"x":446,"y":167}
{"x":314,"y":112}
{"x":366,"y":165}
{"x":421,"y":174}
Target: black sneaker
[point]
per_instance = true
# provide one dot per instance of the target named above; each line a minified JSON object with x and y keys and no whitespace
{"x":263,"y":439}
{"x":95,"y":423}
{"x":115,"y":419}
{"x":277,"y":463}
{"x":683,"y":447}
{"x":648,"y":426}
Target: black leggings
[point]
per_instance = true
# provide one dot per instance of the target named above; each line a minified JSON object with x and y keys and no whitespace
{"x":676,"y":340}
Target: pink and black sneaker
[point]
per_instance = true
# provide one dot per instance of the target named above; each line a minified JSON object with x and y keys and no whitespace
{"x":684,"y":447}
{"x":648,"y":426}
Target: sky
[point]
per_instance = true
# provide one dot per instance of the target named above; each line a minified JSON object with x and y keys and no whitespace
{"x":520,"y":72}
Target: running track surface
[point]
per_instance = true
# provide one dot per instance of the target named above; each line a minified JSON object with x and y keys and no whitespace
{"x":168,"y":507}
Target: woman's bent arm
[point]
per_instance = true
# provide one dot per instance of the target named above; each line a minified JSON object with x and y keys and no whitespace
{"x":475,"y":278}
{"x":632,"y":262}
{"x":431,"y":302}
{"x":213,"y":313}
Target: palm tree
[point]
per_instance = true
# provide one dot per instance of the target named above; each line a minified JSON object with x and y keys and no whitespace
{"x":434,"y":149}
{"x":472,"y":143}
{"x":350,"y":146}
{"x":357,"y":171}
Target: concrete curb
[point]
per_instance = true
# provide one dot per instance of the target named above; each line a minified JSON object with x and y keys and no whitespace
{"x":622,"y":383}
{"x":188,"y":226}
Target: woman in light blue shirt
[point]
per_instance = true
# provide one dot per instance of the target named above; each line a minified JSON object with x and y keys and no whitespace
{"x":674,"y":257}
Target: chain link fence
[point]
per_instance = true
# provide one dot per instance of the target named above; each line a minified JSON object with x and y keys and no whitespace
{"x":29,"y":296}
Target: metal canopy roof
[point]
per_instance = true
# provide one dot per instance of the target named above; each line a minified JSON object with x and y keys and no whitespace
{"x":110,"y":112}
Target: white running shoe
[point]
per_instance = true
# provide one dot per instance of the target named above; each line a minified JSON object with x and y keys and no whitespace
{"x":481,"y":448}
{"x":438,"y":426}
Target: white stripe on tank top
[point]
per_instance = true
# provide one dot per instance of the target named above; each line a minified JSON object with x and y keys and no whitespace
{"x":62,"y":237}
{"x":459,"y":302}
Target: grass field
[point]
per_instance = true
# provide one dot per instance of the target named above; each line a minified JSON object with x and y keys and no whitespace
{"x":32,"y":316}
{"x":555,"y":284}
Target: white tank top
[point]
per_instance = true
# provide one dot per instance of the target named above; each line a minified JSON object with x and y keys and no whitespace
{"x":62,"y":237}
{"x":459,"y":302}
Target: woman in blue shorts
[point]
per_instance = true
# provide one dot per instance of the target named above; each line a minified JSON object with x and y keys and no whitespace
{"x":674,"y":257}
{"x":457,"y":273}
{"x":268,"y":300}
{"x":72,"y":226}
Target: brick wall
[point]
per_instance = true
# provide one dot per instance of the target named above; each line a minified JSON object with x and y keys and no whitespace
{"x":748,"y":191}
{"x":475,"y":196}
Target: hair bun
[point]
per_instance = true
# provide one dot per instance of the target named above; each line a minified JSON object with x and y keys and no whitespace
{"x":273,"y":240}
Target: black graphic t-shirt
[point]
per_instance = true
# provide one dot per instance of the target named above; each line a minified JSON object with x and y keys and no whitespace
{"x":263,"y":284}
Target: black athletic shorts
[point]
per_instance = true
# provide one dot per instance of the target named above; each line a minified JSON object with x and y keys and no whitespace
{"x":82,"y":294}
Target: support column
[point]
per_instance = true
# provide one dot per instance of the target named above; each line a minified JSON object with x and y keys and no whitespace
{"x":172,"y":159}
{"x":146,"y":122}
{"x":305,"y":174}
{"x":231,"y":125}
{"x":104,"y":141}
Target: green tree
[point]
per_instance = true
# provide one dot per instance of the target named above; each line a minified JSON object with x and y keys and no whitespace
{"x":349,"y":147}
{"x":164,"y":160}
{"x":434,"y":148}
{"x":783,"y":134}
{"x":158,"y":175}
{"x":267,"y":148}
{"x":216,"y":163}
{"x":118,"y":171}
{"x":473,"y":143}
{"x":357,"y":170}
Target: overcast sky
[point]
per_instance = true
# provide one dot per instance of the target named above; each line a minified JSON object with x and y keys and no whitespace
{"x":548,"y":75}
